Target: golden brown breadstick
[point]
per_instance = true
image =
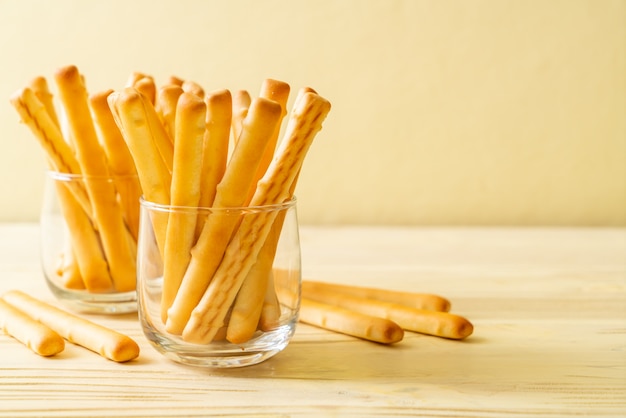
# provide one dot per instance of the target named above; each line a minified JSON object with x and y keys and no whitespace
{"x":38,"y":337}
{"x":69,"y":270}
{"x":166,"y":101}
{"x":92,"y":265}
{"x":414,"y":300}
{"x":39,"y":85}
{"x":121,"y":163}
{"x":102,"y":340}
{"x":147,"y":87}
{"x":215,"y":149}
{"x":130,"y":110}
{"x":348,"y":322}
{"x":241,"y":104}
{"x":181,"y":226}
{"x":231,"y":192}
{"x":192,"y":87}
{"x":440,"y":324}
{"x":119,"y":251}
{"x":208,"y":316}
{"x":60,"y":156}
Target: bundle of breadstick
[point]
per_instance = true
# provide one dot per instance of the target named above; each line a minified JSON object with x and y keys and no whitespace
{"x":377,"y":314}
{"x":44,"y":328}
{"x":214,"y":287}
{"x":101,"y":209}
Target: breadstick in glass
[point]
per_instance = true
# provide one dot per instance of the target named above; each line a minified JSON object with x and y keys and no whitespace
{"x":241,"y":104}
{"x":231,"y":192}
{"x":120,"y":161}
{"x":120,"y":251}
{"x":185,"y":191}
{"x":34,"y":335}
{"x":337,"y":319}
{"x":165,"y":106}
{"x":97,"y":338}
{"x":440,"y":324}
{"x":414,"y":300}
{"x":208,"y":316}
{"x":130,"y":110}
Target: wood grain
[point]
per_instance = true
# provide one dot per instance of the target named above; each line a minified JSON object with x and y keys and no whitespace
{"x":549,"y":340}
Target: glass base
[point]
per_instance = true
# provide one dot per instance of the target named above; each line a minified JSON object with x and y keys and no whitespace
{"x":96,"y":303}
{"x":221,"y":354}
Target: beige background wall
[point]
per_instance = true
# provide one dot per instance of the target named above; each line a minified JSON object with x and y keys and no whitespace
{"x":444,"y":111}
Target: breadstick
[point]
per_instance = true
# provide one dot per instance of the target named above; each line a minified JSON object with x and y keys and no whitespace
{"x":134,"y":77}
{"x":215,"y":149}
{"x":104,"y":341}
{"x":120,"y":255}
{"x":61,"y":157}
{"x":192,"y":87}
{"x":208,"y":316}
{"x":348,"y":322}
{"x":147,"y":87}
{"x":38,"y":337}
{"x":120,"y":160}
{"x":69,"y":270}
{"x":231,"y":192}
{"x":92,"y":265}
{"x":175,"y":80}
{"x":129,"y":109}
{"x":181,"y":226}
{"x":39,"y":85}
{"x":166,"y":101}
{"x":440,"y":324}
{"x":241,"y":104}
{"x":414,"y":300}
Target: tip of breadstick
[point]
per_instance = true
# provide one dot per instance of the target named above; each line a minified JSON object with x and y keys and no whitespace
{"x":189,"y":100}
{"x":40,"y":83}
{"x":100,"y":97}
{"x":175,"y":80}
{"x":273,"y":89}
{"x":67,"y":72}
{"x":126,"y":349}
{"x":219,"y":97}
{"x":261,"y":104}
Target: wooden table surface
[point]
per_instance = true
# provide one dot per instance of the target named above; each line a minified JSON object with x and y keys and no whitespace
{"x":548,"y":306}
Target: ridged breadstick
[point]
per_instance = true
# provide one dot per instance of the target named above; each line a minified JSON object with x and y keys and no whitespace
{"x":39,"y":85}
{"x":97,"y":338}
{"x":241,"y":104}
{"x":231,"y":192}
{"x":248,"y":306}
{"x":215,"y":149}
{"x":61,"y":157}
{"x":166,"y":101}
{"x":440,"y":324}
{"x":119,"y":250}
{"x":185,"y":191}
{"x":121,"y":163}
{"x":130,"y":110}
{"x":208,"y":316}
{"x":414,"y":300}
{"x":348,"y":322}
{"x":34,"y":335}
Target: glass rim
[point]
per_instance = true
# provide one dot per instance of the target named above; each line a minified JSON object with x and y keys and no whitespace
{"x":62,"y":176}
{"x":160,"y":207}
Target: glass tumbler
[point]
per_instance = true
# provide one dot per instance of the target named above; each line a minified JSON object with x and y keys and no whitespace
{"x":219,"y":287}
{"x":88,"y":228}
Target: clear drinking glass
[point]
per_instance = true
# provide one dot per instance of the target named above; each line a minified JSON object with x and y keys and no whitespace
{"x":219,"y":287}
{"x":89,"y":254}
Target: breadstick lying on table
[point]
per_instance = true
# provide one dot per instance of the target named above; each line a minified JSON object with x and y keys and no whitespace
{"x":414,"y":300}
{"x":335,"y":318}
{"x":440,"y":324}
{"x":97,"y":338}
{"x":34,"y":335}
